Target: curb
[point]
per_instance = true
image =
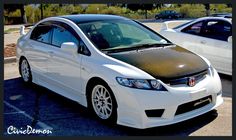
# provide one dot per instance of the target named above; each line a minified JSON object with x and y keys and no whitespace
{"x":9,"y":59}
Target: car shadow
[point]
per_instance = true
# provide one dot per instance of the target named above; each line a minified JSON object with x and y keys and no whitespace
{"x":224,"y":76}
{"x":226,"y":81}
{"x":68,"y":118}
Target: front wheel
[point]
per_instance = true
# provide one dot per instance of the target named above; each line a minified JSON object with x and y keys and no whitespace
{"x":104,"y":103}
{"x":25,"y":71}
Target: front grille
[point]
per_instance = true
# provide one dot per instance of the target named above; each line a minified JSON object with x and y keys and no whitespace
{"x":154,"y":113}
{"x":193,"y":105}
{"x":184,"y":80}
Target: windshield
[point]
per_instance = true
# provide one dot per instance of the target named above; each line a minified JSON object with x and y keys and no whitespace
{"x":116,"y":34}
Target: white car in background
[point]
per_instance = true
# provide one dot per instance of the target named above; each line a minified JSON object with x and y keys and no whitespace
{"x":123,"y":71}
{"x":210,"y":37}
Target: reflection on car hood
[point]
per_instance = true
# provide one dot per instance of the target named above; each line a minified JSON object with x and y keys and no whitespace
{"x":164,"y":63}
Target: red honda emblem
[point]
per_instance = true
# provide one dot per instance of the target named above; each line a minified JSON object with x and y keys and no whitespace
{"x":191,"y":81}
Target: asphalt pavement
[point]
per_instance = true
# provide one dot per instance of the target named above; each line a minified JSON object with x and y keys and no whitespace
{"x":43,"y":109}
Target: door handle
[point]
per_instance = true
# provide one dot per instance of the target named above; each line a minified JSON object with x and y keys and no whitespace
{"x":203,"y":42}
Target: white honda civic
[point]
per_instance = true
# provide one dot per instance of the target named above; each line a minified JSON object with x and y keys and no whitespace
{"x":120,"y":69}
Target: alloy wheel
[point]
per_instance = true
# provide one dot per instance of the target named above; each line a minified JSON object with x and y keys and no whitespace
{"x":25,"y":70}
{"x":102,"y":102}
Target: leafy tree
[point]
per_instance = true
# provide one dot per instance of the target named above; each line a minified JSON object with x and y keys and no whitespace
{"x":136,"y":7}
{"x":13,"y":7}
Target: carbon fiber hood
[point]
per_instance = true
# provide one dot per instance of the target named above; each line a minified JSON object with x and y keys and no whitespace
{"x":164,"y":63}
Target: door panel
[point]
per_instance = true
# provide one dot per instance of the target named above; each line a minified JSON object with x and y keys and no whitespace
{"x":64,"y":68}
{"x":218,"y":52}
{"x":37,"y":56}
{"x":37,"y":48}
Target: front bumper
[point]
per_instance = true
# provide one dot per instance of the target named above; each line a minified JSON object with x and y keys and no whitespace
{"x":132,"y":103}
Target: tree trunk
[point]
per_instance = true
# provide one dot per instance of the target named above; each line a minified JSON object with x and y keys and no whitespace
{"x":145,"y":13}
{"x":41,"y":11}
{"x":208,"y":12}
{"x":23,"y":15}
{"x":207,"y":7}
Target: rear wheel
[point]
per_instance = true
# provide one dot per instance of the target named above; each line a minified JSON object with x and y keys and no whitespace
{"x":25,"y":71}
{"x":103,"y":102}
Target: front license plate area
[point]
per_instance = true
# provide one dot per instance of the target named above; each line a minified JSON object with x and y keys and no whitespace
{"x":193,"y":105}
{"x":198,"y":94}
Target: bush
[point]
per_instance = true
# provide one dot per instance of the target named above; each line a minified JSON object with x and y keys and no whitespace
{"x":220,"y":8}
{"x":15,"y":13}
{"x":192,"y":11}
{"x":95,"y":8}
{"x":32,"y":14}
{"x":188,"y":10}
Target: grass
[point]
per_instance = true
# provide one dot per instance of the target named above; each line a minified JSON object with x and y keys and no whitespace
{"x":8,"y":31}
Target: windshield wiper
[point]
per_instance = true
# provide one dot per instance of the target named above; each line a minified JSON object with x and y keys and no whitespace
{"x":135,"y":47}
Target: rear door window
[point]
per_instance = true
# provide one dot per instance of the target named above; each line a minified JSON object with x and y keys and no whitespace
{"x":217,"y":29}
{"x":194,"y":28}
{"x":42,"y":33}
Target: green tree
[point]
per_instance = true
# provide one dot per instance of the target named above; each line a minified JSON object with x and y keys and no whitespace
{"x":13,"y":7}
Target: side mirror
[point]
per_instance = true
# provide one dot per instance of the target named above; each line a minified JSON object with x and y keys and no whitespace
{"x":69,"y":47}
{"x":230,"y":39}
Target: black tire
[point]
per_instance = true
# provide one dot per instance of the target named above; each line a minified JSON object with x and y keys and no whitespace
{"x":113,"y":117}
{"x":24,"y":62}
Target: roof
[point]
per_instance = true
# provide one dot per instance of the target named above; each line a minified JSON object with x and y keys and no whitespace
{"x":82,"y":18}
{"x":219,"y":18}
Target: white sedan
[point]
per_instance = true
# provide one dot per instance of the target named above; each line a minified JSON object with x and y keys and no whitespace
{"x":210,"y":37}
{"x":121,"y":70}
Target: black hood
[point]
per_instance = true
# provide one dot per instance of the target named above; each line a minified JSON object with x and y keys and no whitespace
{"x":164,"y":62}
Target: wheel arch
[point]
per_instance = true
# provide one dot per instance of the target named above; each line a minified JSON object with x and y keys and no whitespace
{"x":91,"y":82}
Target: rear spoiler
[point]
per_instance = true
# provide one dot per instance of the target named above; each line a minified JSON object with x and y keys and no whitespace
{"x":165,"y":25}
{"x":22,"y":28}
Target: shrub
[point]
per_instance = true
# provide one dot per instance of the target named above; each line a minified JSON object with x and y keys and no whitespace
{"x":95,"y":8}
{"x":188,"y":10}
{"x":192,"y":10}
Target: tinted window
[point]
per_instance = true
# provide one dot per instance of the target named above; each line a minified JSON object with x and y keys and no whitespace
{"x":194,"y":29}
{"x":61,"y":35}
{"x":181,"y":25}
{"x":217,"y":29}
{"x":41,"y":33}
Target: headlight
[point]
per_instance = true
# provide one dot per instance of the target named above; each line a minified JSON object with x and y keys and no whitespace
{"x":141,"y":84}
{"x":211,"y":71}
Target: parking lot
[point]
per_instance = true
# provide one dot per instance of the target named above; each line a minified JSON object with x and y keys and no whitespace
{"x":43,"y":109}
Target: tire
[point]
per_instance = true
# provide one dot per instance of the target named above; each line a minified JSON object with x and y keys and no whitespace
{"x":102,"y":102}
{"x":25,"y":71}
